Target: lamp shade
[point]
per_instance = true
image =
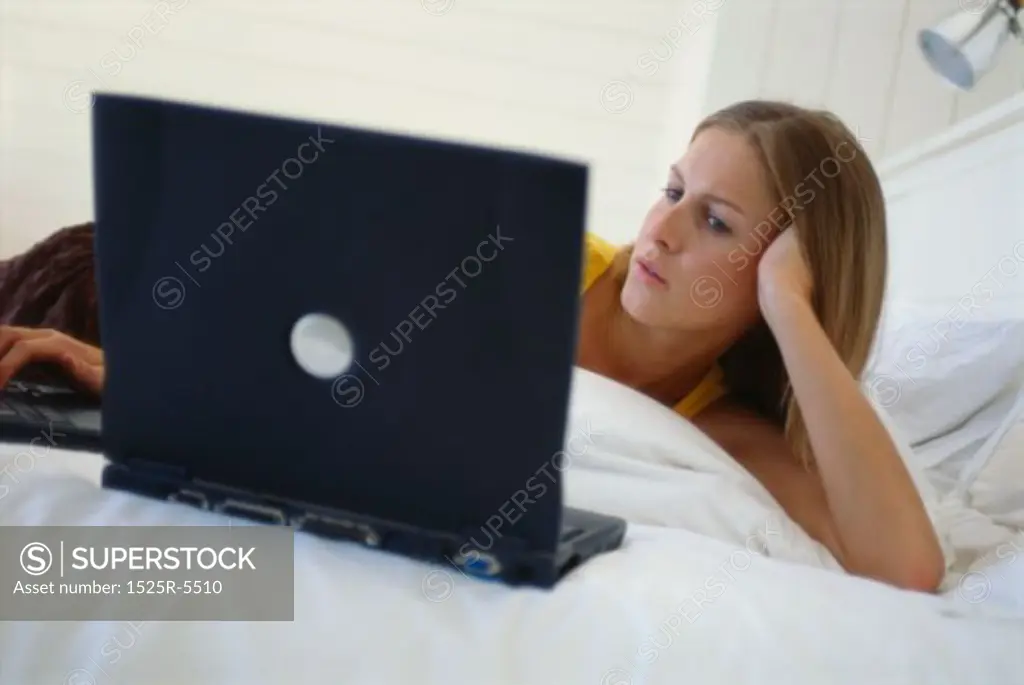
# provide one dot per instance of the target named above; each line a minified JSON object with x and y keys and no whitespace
{"x":964,"y":45}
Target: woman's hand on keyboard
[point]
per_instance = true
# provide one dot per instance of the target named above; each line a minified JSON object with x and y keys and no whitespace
{"x":20,"y":347}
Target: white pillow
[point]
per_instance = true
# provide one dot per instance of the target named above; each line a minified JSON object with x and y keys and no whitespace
{"x":935,"y":374}
{"x":635,"y":424}
{"x":950,"y":459}
{"x":997,"y":489}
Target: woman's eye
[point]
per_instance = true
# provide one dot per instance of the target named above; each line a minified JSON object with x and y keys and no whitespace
{"x":716,"y":224}
{"x":673,"y":194}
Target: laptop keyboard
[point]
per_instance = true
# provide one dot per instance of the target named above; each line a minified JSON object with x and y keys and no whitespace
{"x":16,"y":387}
{"x":14,"y":398}
{"x":10,"y":408}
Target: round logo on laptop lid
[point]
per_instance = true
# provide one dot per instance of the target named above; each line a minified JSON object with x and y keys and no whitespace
{"x":321,"y":345}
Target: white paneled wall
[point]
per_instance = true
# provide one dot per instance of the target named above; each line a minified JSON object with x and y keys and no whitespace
{"x":530,"y":74}
{"x":616,"y":83}
{"x":960,"y":213}
{"x":858,"y":58}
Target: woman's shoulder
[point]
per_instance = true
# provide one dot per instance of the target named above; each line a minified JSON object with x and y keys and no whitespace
{"x":598,"y":255}
{"x":747,"y":436}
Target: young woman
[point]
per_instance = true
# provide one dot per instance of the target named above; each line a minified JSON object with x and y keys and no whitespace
{"x":748,"y":303}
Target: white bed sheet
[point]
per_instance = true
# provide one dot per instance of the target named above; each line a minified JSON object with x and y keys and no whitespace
{"x":671,"y":606}
{"x":685,"y":599}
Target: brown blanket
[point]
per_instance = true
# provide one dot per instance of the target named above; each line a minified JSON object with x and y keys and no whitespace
{"x":53,"y":285}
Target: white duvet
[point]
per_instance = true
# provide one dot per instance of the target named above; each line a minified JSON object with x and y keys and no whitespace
{"x":712,"y":585}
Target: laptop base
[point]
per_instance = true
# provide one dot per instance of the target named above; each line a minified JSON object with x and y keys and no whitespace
{"x":585,"y":534}
{"x":46,"y":416}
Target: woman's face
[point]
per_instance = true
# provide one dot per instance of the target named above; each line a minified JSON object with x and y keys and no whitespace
{"x":694,"y":264}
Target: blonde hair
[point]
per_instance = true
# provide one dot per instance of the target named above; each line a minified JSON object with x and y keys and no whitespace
{"x":828,"y":192}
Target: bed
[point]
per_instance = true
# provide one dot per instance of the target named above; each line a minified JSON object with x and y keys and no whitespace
{"x":712,"y":584}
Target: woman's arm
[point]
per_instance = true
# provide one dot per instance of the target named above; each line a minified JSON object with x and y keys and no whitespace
{"x":883,"y":528}
{"x":881,"y":522}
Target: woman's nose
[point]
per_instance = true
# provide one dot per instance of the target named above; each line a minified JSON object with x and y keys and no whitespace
{"x":669,"y":233}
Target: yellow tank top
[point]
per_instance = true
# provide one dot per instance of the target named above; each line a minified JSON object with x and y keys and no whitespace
{"x":596,"y":260}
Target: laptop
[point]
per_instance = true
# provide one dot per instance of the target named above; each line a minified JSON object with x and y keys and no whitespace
{"x":364,"y":335}
{"x":41,"y":410}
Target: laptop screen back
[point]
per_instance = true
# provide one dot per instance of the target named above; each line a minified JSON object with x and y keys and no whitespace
{"x":454,"y":269}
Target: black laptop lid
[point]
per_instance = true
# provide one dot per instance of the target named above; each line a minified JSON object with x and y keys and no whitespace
{"x":455,"y":268}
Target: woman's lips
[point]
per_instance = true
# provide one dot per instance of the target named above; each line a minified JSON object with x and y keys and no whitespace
{"x":649,"y":274}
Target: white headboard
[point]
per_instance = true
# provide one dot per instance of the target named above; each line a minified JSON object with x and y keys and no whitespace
{"x":956,"y":217}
